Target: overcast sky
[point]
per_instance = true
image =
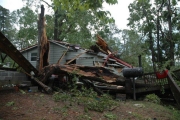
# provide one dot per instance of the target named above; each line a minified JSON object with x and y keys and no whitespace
{"x":119,"y":11}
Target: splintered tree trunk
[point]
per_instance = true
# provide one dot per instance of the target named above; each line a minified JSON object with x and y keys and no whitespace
{"x":43,"y":44}
{"x":40,"y":31}
{"x":44,"y":53}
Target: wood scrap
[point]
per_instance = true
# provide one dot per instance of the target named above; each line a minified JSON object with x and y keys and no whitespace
{"x":74,"y":58}
{"x":45,"y":87}
{"x":62,"y":56}
{"x":98,"y":74}
{"x":103,"y":45}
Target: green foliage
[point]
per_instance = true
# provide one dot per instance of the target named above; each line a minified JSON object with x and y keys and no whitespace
{"x":175,"y":112}
{"x":22,"y":91}
{"x":163,"y":66}
{"x":110,"y":116}
{"x":84,"y":117}
{"x":138,"y":116}
{"x":178,"y":82}
{"x":49,"y":26}
{"x":26,"y":20}
{"x":101,"y":104}
{"x":152,"y":98}
{"x":71,"y":6}
{"x":162,"y":89}
{"x":86,"y":97}
{"x":74,"y":22}
{"x":61,"y":110}
{"x":149,"y":20}
{"x":10,"y":103}
{"x":77,"y":19}
{"x":132,"y":47}
{"x":57,"y":109}
{"x":60,"y":96}
{"x":7,"y":26}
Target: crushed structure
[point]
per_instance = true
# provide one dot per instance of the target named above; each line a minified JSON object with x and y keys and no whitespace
{"x":97,"y":66}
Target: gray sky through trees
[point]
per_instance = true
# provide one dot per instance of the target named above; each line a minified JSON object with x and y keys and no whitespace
{"x":119,"y":11}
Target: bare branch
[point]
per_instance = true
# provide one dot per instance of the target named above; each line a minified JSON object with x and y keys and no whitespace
{"x":47,"y":4}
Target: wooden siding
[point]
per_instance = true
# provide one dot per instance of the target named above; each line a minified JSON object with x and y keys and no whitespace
{"x":99,"y":59}
{"x":72,"y":54}
{"x":27,"y":55}
{"x":84,"y":59}
{"x":87,"y":61}
{"x":55,"y":53}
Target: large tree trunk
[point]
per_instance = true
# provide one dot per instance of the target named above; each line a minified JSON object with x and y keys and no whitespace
{"x":158,"y":46}
{"x":151,"y":41}
{"x":44,"y":53}
{"x":56,"y":25}
{"x":40,"y":32}
{"x":170,"y":39}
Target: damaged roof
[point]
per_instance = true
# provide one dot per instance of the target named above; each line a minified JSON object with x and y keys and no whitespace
{"x":75,"y":47}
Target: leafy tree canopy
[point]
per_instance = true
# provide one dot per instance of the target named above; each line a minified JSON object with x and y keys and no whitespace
{"x":82,"y":5}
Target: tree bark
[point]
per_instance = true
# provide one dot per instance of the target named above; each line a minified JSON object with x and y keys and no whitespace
{"x":170,"y":39}
{"x":158,"y":46}
{"x":40,"y":31}
{"x":56,"y":25}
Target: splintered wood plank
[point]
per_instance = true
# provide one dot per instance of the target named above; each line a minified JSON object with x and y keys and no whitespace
{"x":98,"y":74}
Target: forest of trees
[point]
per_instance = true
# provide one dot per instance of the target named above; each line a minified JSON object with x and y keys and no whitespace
{"x":153,"y":34}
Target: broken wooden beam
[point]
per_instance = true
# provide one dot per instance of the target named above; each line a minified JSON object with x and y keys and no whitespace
{"x":74,"y":58}
{"x":98,"y":74}
{"x":45,"y":87}
{"x":62,"y":56}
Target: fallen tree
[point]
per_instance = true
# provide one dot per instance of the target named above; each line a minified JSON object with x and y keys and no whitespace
{"x":98,"y":74}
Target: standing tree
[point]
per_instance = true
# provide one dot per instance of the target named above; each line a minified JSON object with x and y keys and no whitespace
{"x":157,"y":24}
{"x":8,"y":29}
{"x":77,"y":21}
{"x":6,"y":24}
{"x":26,"y":21}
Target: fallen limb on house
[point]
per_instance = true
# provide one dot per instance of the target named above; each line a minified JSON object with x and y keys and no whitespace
{"x":98,"y":74}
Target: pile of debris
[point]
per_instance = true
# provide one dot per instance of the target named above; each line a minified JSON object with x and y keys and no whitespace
{"x":94,"y":75}
{"x":67,"y":72}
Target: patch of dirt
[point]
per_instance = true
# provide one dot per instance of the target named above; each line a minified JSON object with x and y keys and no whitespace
{"x":41,"y":106}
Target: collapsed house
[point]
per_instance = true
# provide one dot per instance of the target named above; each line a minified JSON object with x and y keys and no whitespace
{"x":96,"y":67}
{"x":91,"y":64}
{"x":49,"y":58}
{"x":95,"y":74}
{"x":79,"y":55}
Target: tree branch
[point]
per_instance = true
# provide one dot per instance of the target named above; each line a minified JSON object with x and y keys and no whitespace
{"x":47,"y":4}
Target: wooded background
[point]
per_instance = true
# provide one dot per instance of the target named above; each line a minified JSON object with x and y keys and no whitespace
{"x":153,"y":34}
